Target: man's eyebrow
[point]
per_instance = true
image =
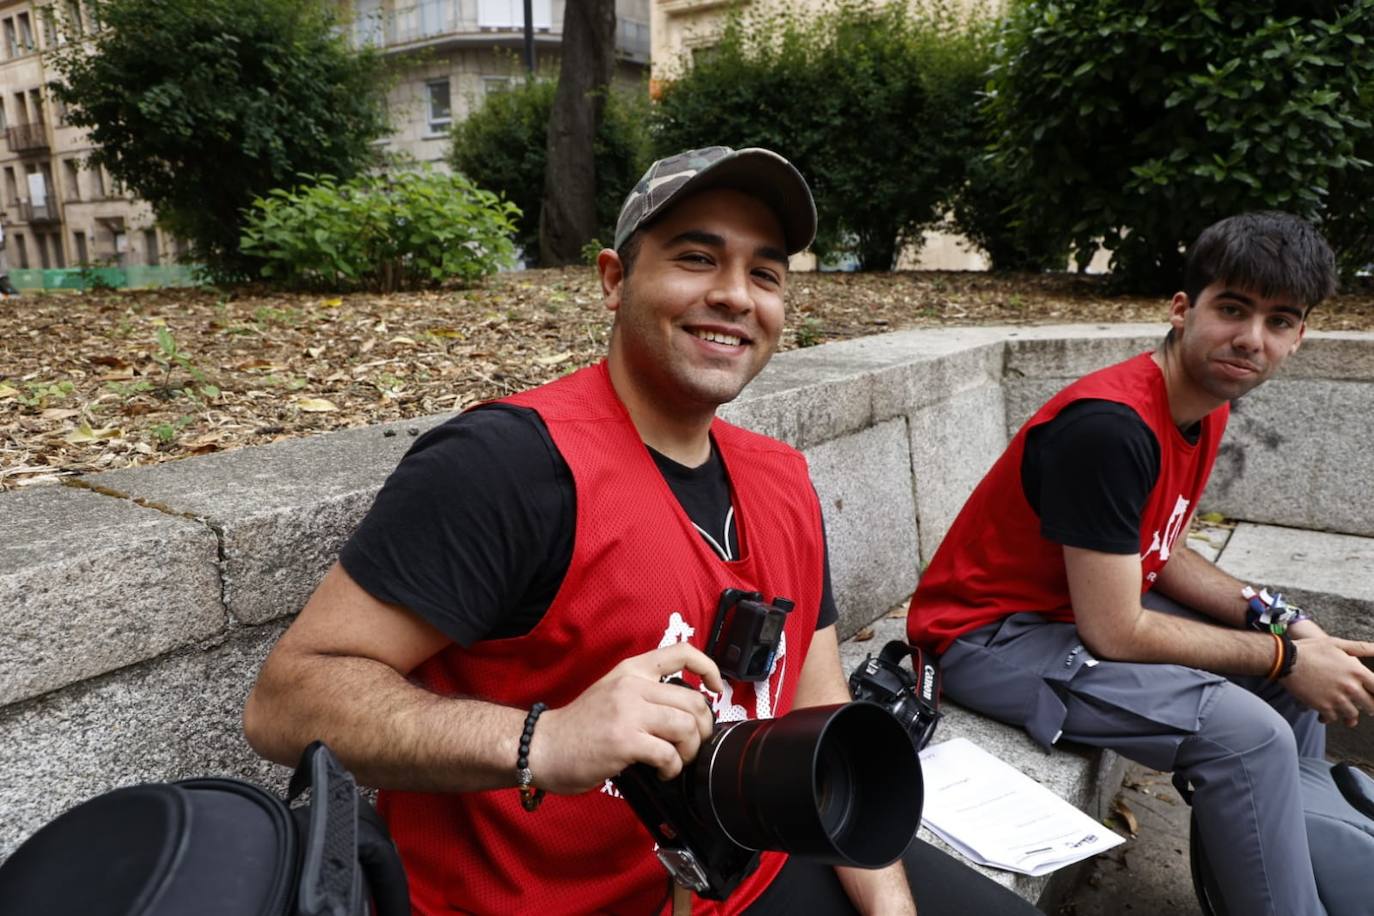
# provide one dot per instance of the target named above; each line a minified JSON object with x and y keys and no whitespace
{"x":768,"y":252}
{"x":1238,"y":296}
{"x":712,"y":240}
{"x":698,"y":236}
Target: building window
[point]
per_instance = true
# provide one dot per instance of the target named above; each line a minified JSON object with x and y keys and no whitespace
{"x":4,"y":122}
{"x":48,"y":17}
{"x":11,"y":38}
{"x":58,"y":258}
{"x":150,"y":252}
{"x":40,"y":241}
{"x":36,"y":105}
{"x":71,"y":177}
{"x":440,"y":110}
{"x":98,"y":176}
{"x":83,"y":255}
{"x":22,"y":250}
{"x":11,"y":183}
{"x":74,"y":23}
{"x":25,"y":33}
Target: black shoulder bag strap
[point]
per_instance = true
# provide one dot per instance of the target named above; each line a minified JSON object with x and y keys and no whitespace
{"x":340,"y":831}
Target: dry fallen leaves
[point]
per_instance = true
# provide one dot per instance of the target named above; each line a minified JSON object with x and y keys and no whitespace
{"x":84,"y":386}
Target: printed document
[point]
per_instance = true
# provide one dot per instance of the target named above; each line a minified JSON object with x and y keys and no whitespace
{"x":996,"y":815}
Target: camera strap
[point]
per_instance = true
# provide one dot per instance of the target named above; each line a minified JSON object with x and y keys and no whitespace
{"x":925,"y":669}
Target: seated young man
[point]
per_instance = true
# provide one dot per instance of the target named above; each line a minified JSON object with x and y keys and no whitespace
{"x":566,"y":547}
{"x":1064,"y":598}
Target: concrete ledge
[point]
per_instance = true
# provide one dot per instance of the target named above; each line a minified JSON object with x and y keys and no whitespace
{"x":282,"y":510}
{"x":89,"y":584}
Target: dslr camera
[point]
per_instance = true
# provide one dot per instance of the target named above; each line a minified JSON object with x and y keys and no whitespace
{"x":912,"y":696}
{"x":838,"y":784}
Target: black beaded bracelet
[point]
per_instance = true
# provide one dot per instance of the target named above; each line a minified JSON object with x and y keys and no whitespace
{"x":530,"y":797}
{"x":1290,"y":656}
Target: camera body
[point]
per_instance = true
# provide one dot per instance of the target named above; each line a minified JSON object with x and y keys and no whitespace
{"x":912,"y":696}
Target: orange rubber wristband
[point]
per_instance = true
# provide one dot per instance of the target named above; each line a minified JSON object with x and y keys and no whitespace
{"x":1278,"y":659}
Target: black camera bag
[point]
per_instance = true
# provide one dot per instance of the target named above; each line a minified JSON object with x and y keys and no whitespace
{"x":213,"y":847}
{"x":1338,"y":806}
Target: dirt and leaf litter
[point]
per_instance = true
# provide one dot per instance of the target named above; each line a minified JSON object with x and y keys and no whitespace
{"x":90,"y":382}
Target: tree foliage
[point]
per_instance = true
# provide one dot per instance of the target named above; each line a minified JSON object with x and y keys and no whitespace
{"x":1140,"y":122}
{"x":381,"y":232}
{"x":502,"y":146}
{"x":871,"y":104}
{"x":200,"y":107}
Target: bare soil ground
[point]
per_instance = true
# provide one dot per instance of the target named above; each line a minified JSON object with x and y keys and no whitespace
{"x":95,"y":381}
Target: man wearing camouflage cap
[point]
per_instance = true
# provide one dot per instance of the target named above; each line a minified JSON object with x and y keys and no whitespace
{"x":500,"y":624}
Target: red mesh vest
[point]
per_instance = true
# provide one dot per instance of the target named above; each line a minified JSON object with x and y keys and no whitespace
{"x":994,"y":563}
{"x":640,"y":577}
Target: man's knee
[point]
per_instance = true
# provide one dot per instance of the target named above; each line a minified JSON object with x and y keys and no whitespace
{"x":1240,"y":723}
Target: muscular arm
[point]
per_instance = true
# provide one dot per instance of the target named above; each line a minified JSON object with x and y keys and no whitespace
{"x":339,"y":674}
{"x":882,"y":890}
{"x":1105,"y":590}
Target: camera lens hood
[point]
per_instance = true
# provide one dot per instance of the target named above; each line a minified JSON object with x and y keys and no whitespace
{"x":840,"y":784}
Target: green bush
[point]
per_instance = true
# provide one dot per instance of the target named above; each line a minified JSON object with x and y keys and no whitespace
{"x":503,"y":146}
{"x":1139,"y":122}
{"x":382,"y":232}
{"x":872,"y":105}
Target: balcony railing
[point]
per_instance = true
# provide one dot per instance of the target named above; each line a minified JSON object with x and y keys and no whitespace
{"x":427,"y":20}
{"x":42,"y":213}
{"x":26,"y":137}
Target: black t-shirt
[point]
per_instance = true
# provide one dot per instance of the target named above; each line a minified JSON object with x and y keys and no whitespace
{"x":1088,"y":474}
{"x":474,"y":529}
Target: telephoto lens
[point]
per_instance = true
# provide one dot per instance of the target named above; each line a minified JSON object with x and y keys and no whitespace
{"x":839,"y":784}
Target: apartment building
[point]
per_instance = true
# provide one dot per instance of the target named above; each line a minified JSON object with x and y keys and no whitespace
{"x":56,"y":209}
{"x":452,"y":54}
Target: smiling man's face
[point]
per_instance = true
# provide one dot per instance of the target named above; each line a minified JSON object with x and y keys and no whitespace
{"x":1231,"y":339}
{"x":702,"y":309}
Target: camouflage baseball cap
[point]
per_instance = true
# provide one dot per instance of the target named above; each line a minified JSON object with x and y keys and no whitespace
{"x":758,"y":172}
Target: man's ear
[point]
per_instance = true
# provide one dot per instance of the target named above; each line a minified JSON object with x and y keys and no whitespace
{"x":1178,"y":309}
{"x":612,"y":273}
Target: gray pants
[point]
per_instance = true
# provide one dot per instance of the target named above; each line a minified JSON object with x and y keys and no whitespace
{"x":1236,"y":740}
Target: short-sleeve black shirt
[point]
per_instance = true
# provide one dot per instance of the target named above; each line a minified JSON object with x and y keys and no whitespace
{"x":474,"y":529}
{"x":1088,"y":474}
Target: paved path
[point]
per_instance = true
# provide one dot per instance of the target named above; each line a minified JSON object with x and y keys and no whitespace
{"x":1147,"y":875}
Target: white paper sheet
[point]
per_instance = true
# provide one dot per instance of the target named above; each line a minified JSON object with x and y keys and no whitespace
{"x":996,"y":815}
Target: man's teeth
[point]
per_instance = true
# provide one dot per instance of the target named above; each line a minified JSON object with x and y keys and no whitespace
{"x":714,"y":337}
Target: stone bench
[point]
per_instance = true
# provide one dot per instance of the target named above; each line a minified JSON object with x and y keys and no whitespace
{"x":138,"y":604}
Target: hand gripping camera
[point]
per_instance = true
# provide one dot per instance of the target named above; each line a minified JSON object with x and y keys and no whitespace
{"x":838,"y":784}
{"x":913,"y":697}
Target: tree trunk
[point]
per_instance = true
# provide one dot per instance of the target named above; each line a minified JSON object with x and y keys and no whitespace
{"x":567,"y":218}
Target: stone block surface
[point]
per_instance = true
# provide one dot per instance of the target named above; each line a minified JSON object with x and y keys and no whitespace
{"x":1299,"y":453}
{"x":90,"y":583}
{"x":864,"y":485}
{"x":1023,"y":397}
{"x":172,"y":718}
{"x":283,"y":510}
{"x":1334,"y":356}
{"x":953,"y":443}
{"x":806,"y":397}
{"x":1071,"y":352}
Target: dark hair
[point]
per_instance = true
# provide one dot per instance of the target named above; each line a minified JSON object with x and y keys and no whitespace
{"x":629,"y":250}
{"x":1266,"y":252}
